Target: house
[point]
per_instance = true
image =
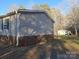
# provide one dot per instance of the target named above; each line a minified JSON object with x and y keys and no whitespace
{"x":23,"y":26}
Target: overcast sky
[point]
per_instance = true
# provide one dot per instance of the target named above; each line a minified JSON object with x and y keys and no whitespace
{"x":62,"y":5}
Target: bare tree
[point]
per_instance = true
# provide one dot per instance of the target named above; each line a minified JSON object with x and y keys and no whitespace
{"x":73,"y":18}
{"x":12,"y":8}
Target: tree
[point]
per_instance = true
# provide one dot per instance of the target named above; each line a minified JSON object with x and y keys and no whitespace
{"x":15,"y":7}
{"x":12,"y":8}
{"x":21,"y":7}
{"x":73,"y":18}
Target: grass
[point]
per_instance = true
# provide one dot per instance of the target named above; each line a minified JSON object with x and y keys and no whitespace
{"x":71,"y":42}
{"x":76,"y":41}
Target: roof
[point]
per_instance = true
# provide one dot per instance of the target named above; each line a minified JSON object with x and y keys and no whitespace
{"x":24,"y":11}
{"x":20,"y":11}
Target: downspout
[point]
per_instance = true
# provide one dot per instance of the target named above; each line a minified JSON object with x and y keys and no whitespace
{"x":17,"y":30}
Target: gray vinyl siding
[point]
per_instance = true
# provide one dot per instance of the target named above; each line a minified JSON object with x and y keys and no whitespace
{"x":13,"y":25}
{"x":28,"y":24}
{"x":35,"y":24}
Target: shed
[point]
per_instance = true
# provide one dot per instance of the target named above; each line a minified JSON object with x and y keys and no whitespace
{"x":23,"y":27}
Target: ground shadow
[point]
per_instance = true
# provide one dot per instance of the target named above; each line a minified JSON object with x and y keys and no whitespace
{"x":58,"y":45}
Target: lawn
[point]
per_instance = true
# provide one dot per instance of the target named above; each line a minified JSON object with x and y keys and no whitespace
{"x":71,"y":43}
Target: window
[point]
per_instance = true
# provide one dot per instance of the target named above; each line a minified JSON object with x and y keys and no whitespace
{"x":6,"y":24}
{"x":0,"y":24}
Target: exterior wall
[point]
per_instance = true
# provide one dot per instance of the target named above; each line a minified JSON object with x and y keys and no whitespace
{"x":8,"y":36}
{"x":12,"y":31}
{"x":13,"y":25}
{"x":29,"y":24}
{"x":29,"y":27}
{"x":35,"y":24}
{"x":33,"y":28}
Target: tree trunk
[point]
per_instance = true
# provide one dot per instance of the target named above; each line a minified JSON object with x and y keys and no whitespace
{"x":75,"y":30}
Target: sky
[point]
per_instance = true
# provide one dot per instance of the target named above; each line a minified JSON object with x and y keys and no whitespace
{"x":62,"y":5}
